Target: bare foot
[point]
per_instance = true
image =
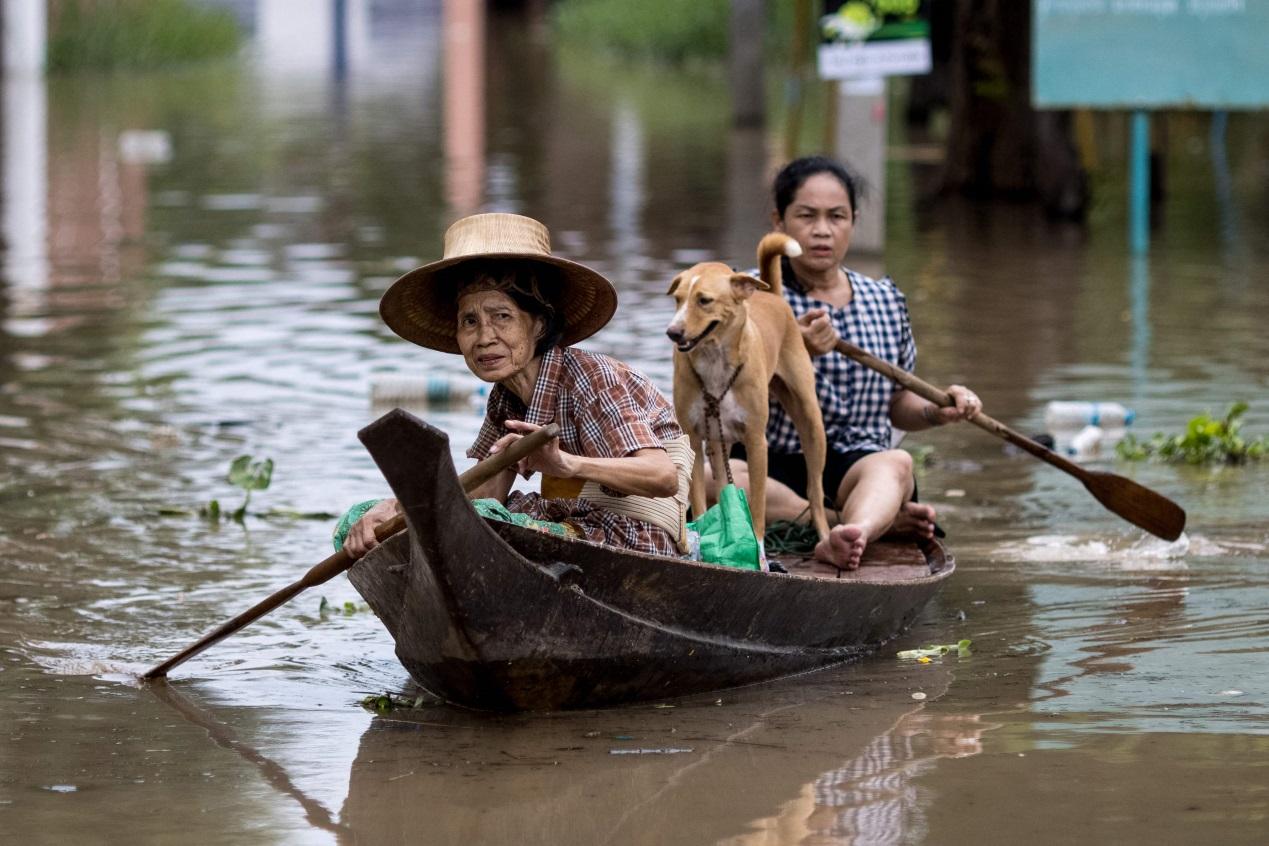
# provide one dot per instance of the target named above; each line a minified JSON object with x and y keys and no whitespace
{"x":915,"y":518}
{"x":844,"y":547}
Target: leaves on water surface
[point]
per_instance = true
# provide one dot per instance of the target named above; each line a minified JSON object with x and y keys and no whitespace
{"x":250,"y":475}
{"x":347,"y":609}
{"x":176,"y":511}
{"x":382,"y":703}
{"x":1206,"y":440}
{"x":211,"y":511}
{"x":293,"y":514}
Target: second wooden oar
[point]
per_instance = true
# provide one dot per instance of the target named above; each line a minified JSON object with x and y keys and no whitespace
{"x":1134,"y":502}
{"x":341,"y":561}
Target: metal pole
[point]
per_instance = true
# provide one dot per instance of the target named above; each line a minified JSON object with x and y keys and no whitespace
{"x":340,"y":30}
{"x":1139,"y":184}
{"x":25,"y":36}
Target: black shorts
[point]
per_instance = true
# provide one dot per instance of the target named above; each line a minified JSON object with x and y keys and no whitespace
{"x":790,"y":468}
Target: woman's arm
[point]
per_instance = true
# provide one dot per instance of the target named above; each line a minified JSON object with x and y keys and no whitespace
{"x":911,"y":413}
{"x":496,"y":488}
{"x":644,"y":472}
{"x":361,"y":535}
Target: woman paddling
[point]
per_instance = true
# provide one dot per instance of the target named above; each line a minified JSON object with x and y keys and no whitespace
{"x":870,"y":484}
{"x":512,"y":310}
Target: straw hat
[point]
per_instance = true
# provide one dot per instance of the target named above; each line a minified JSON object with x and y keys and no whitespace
{"x":422,"y":305}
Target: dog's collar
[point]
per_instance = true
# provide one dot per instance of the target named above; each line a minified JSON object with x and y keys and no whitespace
{"x":713,"y":324}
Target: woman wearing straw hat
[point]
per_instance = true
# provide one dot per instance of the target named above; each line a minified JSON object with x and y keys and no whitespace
{"x":513,"y":311}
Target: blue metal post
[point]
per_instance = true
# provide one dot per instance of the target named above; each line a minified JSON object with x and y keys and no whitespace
{"x":340,"y":32}
{"x":1139,"y":184}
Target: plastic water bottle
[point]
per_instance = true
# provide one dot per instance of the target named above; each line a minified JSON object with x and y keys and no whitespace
{"x":1059,"y":416}
{"x":433,"y":391}
{"x":1087,"y":442}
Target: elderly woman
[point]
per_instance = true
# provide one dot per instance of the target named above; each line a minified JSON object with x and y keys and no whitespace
{"x":513,"y":311}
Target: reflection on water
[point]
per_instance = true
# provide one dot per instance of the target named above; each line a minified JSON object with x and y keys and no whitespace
{"x":191,"y":272}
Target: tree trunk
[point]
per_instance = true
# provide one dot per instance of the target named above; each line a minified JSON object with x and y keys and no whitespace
{"x":999,"y":146}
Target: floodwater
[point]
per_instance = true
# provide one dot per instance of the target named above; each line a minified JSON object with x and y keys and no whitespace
{"x":192,"y":273}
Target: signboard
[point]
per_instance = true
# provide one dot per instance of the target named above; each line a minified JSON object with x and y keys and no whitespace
{"x":873,"y":38}
{"x":1143,"y":54}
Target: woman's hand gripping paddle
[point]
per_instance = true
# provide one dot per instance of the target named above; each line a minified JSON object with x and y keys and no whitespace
{"x":341,"y":561}
{"x":1134,"y":502}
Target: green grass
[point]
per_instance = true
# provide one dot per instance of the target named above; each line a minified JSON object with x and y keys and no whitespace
{"x":137,"y":35}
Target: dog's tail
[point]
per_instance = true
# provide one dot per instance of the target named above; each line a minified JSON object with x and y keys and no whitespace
{"x":770,"y":250}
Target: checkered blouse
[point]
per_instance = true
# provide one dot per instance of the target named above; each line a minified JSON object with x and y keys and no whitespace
{"x":605,"y":409}
{"x":854,"y":399}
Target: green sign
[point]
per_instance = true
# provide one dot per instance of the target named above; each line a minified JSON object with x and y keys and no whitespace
{"x":1144,"y":54}
{"x":873,"y":38}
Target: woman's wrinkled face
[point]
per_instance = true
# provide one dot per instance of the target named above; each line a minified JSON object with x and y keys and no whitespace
{"x":495,"y":335}
{"x":822,"y":220}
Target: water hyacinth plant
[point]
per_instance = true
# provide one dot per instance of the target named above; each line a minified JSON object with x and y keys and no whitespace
{"x":1206,"y":440}
{"x":247,"y":473}
{"x":250,"y":475}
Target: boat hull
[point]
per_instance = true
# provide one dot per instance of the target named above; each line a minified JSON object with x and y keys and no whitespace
{"x":497,"y":617}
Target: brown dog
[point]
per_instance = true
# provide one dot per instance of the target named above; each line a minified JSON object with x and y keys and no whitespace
{"x":733,"y":342}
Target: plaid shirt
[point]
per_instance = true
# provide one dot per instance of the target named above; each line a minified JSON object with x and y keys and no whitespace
{"x":605,"y":409}
{"x":854,"y":399}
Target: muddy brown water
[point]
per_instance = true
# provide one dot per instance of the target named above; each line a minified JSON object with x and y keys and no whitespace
{"x":174,"y":310}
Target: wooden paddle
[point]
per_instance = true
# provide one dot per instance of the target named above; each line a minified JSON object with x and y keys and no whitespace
{"x":1136,"y":503}
{"x":341,"y":561}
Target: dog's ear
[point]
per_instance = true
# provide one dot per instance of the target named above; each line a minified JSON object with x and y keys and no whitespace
{"x":675,"y":283}
{"x":743,"y":285}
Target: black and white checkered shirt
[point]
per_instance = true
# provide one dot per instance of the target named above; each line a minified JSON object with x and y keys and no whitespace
{"x":854,"y":399}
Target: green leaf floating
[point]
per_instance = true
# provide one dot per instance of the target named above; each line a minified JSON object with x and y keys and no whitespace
{"x":250,"y":475}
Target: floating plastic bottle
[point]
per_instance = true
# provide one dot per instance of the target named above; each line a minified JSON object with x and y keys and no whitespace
{"x":1060,"y":416}
{"x":1087,"y":442}
{"x":430,"y":391}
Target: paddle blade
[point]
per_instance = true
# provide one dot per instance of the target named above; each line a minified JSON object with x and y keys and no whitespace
{"x":1137,"y":504}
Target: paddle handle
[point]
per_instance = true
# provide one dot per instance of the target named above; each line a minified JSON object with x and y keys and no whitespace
{"x":332,"y":566}
{"x":940,"y":397}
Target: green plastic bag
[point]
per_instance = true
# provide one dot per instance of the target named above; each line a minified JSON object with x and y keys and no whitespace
{"x":726,"y":531}
{"x":351,"y":516}
{"x":491,"y":508}
{"x":495,"y":510}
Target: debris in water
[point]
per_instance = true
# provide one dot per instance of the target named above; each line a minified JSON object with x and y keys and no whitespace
{"x":385,"y":702}
{"x":937,"y":650}
{"x":918,"y":696}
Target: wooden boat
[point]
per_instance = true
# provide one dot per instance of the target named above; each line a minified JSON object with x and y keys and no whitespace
{"x":497,"y":617}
